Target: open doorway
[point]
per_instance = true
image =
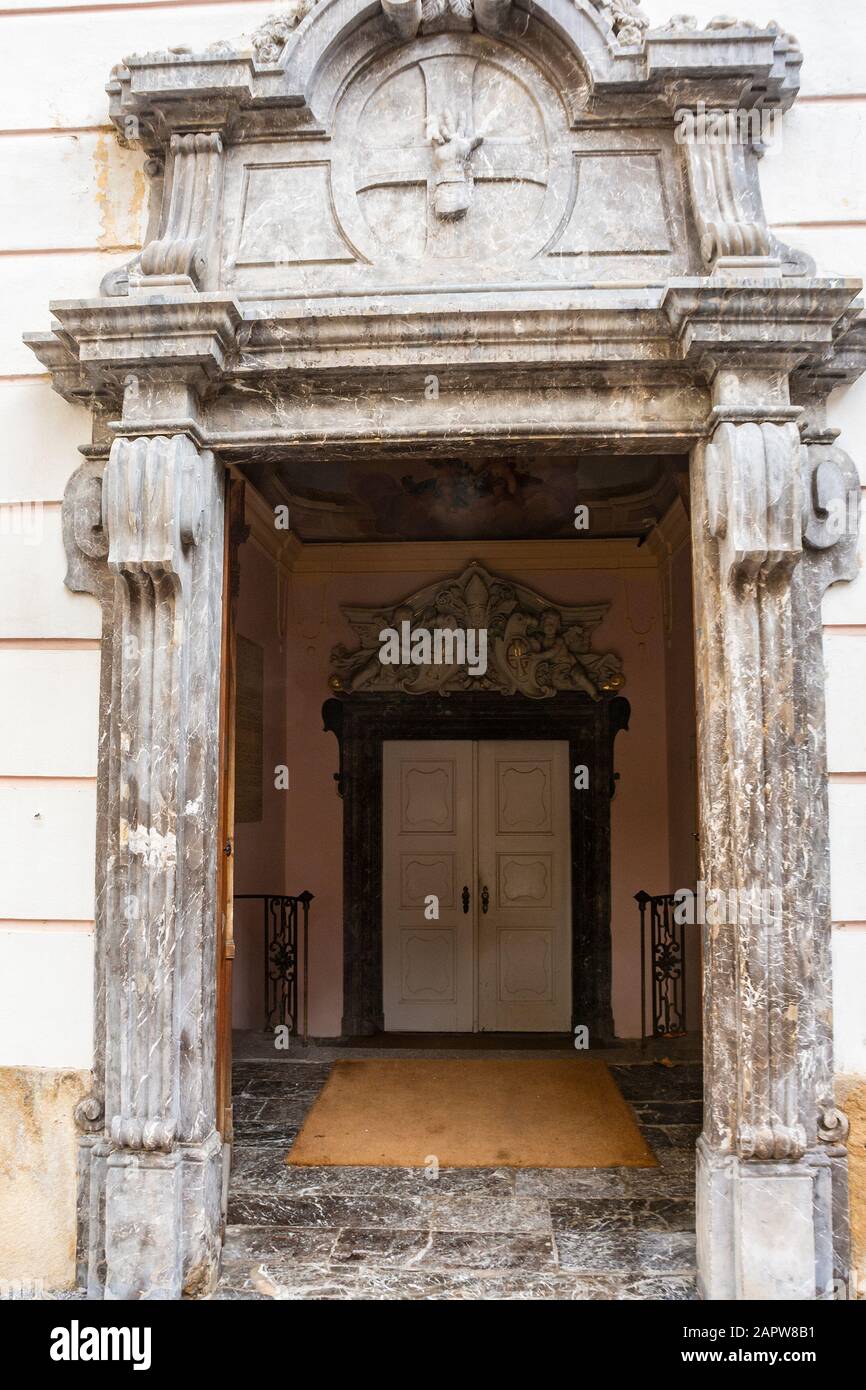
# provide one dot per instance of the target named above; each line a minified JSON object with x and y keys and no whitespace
{"x":387,"y":809}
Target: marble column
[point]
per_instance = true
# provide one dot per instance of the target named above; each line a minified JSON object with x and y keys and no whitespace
{"x":774,"y":520}
{"x":144,"y":531}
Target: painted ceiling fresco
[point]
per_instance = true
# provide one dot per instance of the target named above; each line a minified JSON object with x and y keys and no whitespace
{"x":471,"y":497}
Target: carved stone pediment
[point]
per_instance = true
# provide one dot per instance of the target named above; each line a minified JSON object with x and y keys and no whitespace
{"x":398,"y":188}
{"x":533,"y":647}
{"x":478,"y":145}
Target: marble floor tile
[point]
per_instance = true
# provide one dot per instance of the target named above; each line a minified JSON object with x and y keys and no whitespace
{"x":445,"y":1250}
{"x":627,"y":1251}
{"x":264,"y":1168}
{"x":489,"y":1214}
{"x":328,"y":1210}
{"x":373,"y":1234}
{"x":661,"y":1137}
{"x":668,"y":1112}
{"x":270,"y":1113}
{"x":637,"y":1213}
{"x":370,"y":1284}
{"x":678,"y":1186}
{"x":248,"y":1245}
{"x":571,"y":1182}
{"x":651,"y":1081}
{"x":279,"y":1080}
{"x":272,"y":1088}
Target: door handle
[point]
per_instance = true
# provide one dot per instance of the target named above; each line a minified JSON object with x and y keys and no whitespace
{"x":485,"y":898}
{"x":465,"y":896}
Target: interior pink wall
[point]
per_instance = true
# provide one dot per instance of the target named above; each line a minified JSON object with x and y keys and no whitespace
{"x":682,"y":759}
{"x":641,"y":848}
{"x":260,"y":847}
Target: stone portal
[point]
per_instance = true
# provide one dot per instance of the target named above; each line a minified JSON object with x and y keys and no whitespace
{"x":414,"y":222}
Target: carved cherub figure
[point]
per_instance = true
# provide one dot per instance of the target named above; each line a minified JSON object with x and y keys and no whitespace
{"x":576,"y":643}
{"x":547,"y":637}
{"x":363,"y":666}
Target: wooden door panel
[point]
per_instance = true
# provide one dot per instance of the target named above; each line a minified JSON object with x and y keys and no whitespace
{"x":524,"y":963}
{"x":525,"y":957}
{"x":427,"y":850}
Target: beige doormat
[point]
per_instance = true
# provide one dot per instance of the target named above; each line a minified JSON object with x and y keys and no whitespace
{"x":515,"y":1113}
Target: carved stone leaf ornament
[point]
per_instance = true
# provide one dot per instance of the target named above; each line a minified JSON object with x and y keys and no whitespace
{"x":626,"y":19}
{"x":534,"y":647}
{"x":271,"y":37}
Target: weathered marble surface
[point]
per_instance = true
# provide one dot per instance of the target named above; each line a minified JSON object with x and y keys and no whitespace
{"x":144,"y":533}
{"x":326,"y":1284}
{"x":763,"y":557}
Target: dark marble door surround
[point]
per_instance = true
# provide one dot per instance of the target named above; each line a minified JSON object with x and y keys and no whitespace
{"x":712,"y":337}
{"x":361,"y":724}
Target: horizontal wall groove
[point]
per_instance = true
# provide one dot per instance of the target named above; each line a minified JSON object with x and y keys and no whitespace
{"x":16,"y":780}
{"x":113,"y":8}
{"x":84,"y":925}
{"x":48,"y":503}
{"x":69,"y":250}
{"x":50,"y":644}
{"x":10,"y":133}
{"x":812,"y":226}
{"x":815,"y":98}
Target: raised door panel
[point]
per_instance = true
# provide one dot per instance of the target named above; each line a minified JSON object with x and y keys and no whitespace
{"x":524,"y":864}
{"x":427,"y":850}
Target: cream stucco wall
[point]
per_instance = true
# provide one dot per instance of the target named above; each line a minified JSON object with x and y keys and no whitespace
{"x":71,"y":206}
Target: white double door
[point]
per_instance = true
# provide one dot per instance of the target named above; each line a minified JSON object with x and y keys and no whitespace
{"x":476,"y":887}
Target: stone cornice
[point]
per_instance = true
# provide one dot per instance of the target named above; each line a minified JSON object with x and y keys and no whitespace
{"x":675,"y":335}
{"x":122,"y":334}
{"x":790,"y":323}
{"x":255,"y":85}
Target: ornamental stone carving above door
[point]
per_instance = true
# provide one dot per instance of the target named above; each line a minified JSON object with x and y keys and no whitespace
{"x":450,"y":149}
{"x":465,"y":153}
{"x":535,"y":648}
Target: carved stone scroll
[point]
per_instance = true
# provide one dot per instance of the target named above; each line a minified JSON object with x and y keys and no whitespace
{"x":404,"y":16}
{"x":727,"y":207}
{"x":180,"y":255}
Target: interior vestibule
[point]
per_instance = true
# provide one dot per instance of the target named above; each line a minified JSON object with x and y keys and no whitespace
{"x":371,"y":535}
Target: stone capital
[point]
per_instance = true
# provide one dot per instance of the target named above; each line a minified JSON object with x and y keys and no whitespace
{"x":754,"y":498}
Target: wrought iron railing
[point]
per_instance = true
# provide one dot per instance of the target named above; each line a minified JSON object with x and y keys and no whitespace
{"x":667,"y":965}
{"x":286,"y":922}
